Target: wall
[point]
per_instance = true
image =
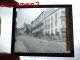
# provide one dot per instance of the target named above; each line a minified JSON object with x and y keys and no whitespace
{"x":6,"y":29}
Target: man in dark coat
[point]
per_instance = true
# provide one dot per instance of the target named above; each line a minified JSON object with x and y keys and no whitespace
{"x":57,"y":35}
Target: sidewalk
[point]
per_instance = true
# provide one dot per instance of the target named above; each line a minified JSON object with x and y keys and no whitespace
{"x":20,"y":47}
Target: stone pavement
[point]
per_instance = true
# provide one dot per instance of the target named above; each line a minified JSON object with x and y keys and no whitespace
{"x":35,"y":45}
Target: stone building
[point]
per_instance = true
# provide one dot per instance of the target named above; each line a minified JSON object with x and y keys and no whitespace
{"x":52,"y":20}
{"x":55,"y":22}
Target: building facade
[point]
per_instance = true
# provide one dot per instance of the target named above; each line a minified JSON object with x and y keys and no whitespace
{"x":37,"y":24}
{"x":22,"y":30}
{"x":53,"y":21}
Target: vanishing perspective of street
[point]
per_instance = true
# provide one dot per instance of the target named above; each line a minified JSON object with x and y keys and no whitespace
{"x":28,"y":44}
{"x":43,"y":31}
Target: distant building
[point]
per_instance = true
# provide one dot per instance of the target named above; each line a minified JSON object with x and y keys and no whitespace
{"x":25,"y":26}
{"x":56,"y":21}
{"x":51,"y":21}
{"x":37,"y":24}
{"x":23,"y":29}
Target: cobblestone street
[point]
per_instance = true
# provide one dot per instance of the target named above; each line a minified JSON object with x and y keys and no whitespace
{"x":35,"y":45}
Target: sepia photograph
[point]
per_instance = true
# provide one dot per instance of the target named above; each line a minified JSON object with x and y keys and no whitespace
{"x":42,"y":30}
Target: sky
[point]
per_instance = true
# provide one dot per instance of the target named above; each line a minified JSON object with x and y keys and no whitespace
{"x":27,"y":15}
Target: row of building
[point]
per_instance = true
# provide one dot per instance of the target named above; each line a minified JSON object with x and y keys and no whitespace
{"x":51,"y":21}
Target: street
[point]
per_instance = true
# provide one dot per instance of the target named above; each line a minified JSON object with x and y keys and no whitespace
{"x":29,"y":44}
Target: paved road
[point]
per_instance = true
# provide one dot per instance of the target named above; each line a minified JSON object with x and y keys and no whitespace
{"x":35,"y":45}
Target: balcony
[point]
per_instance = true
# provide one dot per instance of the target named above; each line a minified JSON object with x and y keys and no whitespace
{"x":37,"y":25}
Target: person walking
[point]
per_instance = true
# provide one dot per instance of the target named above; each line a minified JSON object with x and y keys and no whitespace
{"x":57,"y":35}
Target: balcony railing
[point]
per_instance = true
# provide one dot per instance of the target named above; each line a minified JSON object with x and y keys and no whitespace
{"x":38,"y":25}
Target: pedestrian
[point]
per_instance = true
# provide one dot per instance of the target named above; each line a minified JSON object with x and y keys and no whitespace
{"x":57,"y":35}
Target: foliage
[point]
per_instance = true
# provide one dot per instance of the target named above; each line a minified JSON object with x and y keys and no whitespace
{"x":47,"y":34}
{"x":52,"y":34}
{"x":57,"y":33}
{"x":27,"y":30}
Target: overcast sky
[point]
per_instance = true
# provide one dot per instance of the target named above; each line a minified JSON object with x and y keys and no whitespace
{"x":27,"y":15}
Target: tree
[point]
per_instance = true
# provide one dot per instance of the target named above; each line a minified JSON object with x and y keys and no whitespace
{"x":47,"y":34}
{"x":27,"y":30}
{"x":57,"y":33}
{"x":52,"y":34}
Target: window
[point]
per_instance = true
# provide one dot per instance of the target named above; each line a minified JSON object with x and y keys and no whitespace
{"x":48,"y":26}
{"x":51,"y":21}
{"x":63,"y":32}
{"x":48,"y":20}
{"x":56,"y":16}
{"x":56,"y":19}
{"x":55,"y":22}
{"x":51,"y":31}
{"x":45,"y":21}
{"x":51,"y":24}
{"x":51,"y":18}
{"x":45,"y":27}
{"x":63,"y":22}
{"x":42,"y":15}
{"x":48,"y":31}
{"x":62,"y":13}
